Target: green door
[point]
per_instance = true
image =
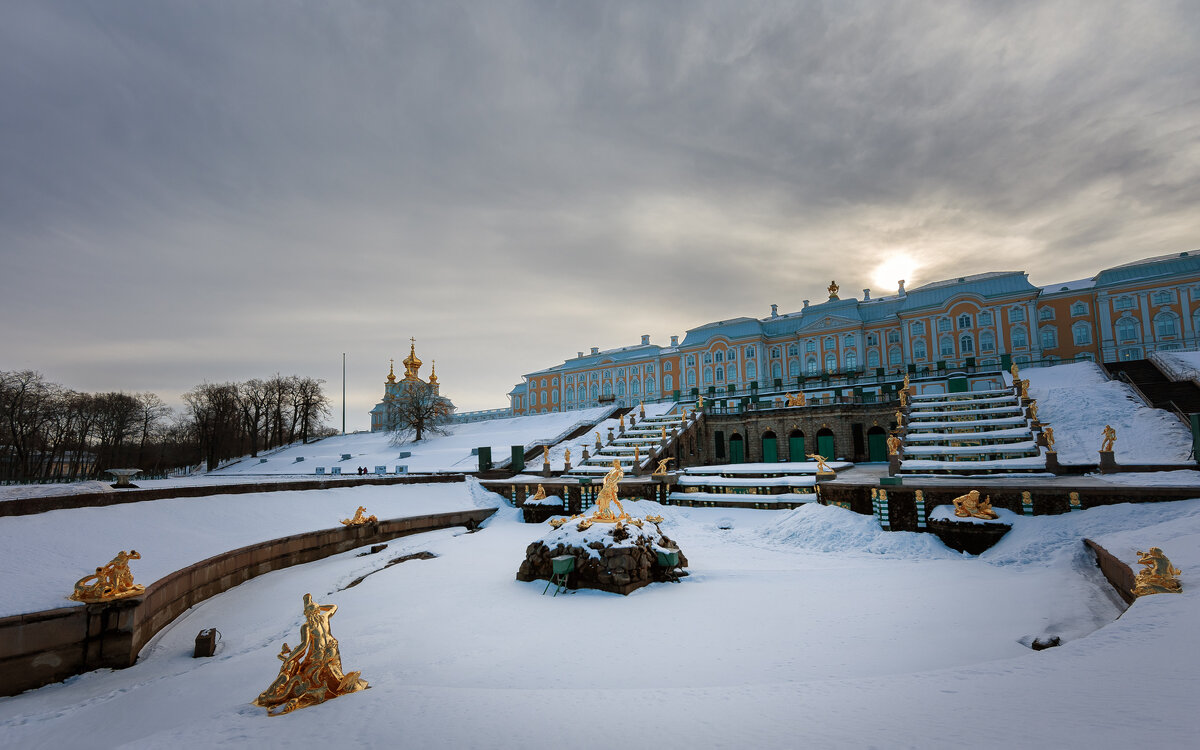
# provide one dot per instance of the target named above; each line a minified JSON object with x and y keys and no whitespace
{"x":737,"y":450}
{"x":770,"y":450}
{"x":877,"y":446}
{"x":796,"y":447}
{"x":958,"y":385}
{"x":825,"y":446}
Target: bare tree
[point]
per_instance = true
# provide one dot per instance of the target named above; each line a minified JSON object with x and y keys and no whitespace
{"x":417,"y":410}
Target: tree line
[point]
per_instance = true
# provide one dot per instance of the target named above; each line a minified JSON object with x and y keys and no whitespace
{"x":52,"y":432}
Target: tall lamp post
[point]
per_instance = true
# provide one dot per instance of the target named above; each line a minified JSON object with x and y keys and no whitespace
{"x":343,"y":393}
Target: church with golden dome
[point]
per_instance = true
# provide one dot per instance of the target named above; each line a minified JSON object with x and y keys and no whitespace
{"x":394,"y":389}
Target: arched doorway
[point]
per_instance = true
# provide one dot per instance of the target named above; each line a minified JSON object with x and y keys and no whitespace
{"x":737,"y":449}
{"x":770,"y":448}
{"x":825,"y":443}
{"x":796,"y":445}
{"x":877,"y":444}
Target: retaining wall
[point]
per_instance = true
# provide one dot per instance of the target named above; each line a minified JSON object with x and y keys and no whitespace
{"x":43,"y":647}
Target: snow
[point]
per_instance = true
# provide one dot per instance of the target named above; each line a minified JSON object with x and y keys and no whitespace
{"x":946,"y":513}
{"x":1179,"y":365}
{"x":783,"y":468}
{"x":1078,"y":401}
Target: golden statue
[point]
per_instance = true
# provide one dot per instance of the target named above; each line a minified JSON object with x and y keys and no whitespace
{"x":797,"y":400}
{"x":359,"y":519}
{"x":567,"y":457}
{"x":970,"y":506}
{"x":832,"y":289}
{"x":113,"y":581}
{"x":621,"y":422}
{"x":637,"y":456}
{"x":664,"y":434}
{"x":893,"y":444}
{"x":1048,"y":432}
{"x":1158,"y":576}
{"x":1110,"y":437}
{"x":641,"y":410}
{"x":1024,"y":388}
{"x":1033,"y":410}
{"x":1016,"y":373}
{"x":903,"y":398}
{"x":608,"y":496}
{"x":699,"y":402}
{"x":540,"y":494}
{"x":546,"y":455}
{"x":906,"y":381}
{"x":312,"y":672}
{"x":822,"y":467}
{"x":661,"y":471}
{"x":899,"y":418}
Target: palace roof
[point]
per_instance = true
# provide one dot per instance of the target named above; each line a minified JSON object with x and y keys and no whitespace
{"x":1149,"y":268}
{"x":992,"y":284}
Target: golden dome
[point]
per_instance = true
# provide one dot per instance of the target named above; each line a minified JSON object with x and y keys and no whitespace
{"x":433,"y":372}
{"x":391,"y":378}
{"x":412,"y":363}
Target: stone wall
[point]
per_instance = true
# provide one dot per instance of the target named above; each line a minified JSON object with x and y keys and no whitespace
{"x":840,"y":419}
{"x":44,"y":647}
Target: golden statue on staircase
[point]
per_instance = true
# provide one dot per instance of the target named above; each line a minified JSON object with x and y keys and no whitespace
{"x":607,"y":496}
{"x":113,"y":581}
{"x":661,"y":471}
{"x":970,"y":506}
{"x":312,"y":672}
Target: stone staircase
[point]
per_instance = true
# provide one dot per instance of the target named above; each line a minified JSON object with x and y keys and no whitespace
{"x":978,"y":432}
{"x":764,"y":485}
{"x":646,"y":438}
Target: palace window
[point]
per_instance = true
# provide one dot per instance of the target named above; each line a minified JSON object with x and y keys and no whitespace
{"x":964,"y":321}
{"x":848,"y":340}
{"x":946,"y":346}
{"x":708,"y":378}
{"x":666,"y":367}
{"x":691,"y":360}
{"x":872,"y":359}
{"x":1081,"y":334}
{"x":732,"y":354}
{"x":543,"y":382}
{"x":751,"y":371}
{"x":793,"y":350}
{"x":708,"y":358}
{"x":966,"y":345}
{"x":944,"y":325}
{"x":1020,"y":339}
{"x":894,"y":356}
{"x":608,"y":389}
{"x":987,"y":342}
{"x":608,"y":374}
{"x":985,"y":318}
{"x":811,"y":366}
{"x":721,"y":356}
{"x":1016,"y":314}
{"x":1162,"y":298}
{"x":621,"y":388}
{"x":1046,"y":313}
{"x":570,"y":393}
{"x":1049,"y":337}
{"x":919,"y":350}
{"x":1123,"y":303}
{"x":1166,"y":324}
{"x":1079,"y":308}
{"x":830,"y":362}
{"x":851,"y":359}
{"x":918,"y":328}
{"x":634,"y":387}
{"x":776,"y":370}
{"x":691,"y":378}
{"x":543,"y":397}
{"x":720,"y":374}
{"x":775,"y":353}
{"x":893,"y":337}
{"x":668,"y":383}
{"x":1127,"y":329}
{"x":554,"y":397}
{"x":595,"y":391}
{"x":750,"y":352}
{"x":829,"y":343}
{"x":872,"y":340}
{"x":794,"y":368}
{"x":649,"y":369}
{"x":810,"y":345}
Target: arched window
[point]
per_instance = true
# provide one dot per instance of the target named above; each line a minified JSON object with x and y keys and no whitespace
{"x":775,"y":353}
{"x":985,"y":318}
{"x":946,"y":347}
{"x":966,"y":345}
{"x":776,"y":370}
{"x":608,"y":374}
{"x":944,"y":325}
{"x":1046,"y":313}
{"x":666,"y":366}
{"x":634,"y":387}
{"x":608,"y":389}
{"x":708,"y":358}
{"x":691,"y":378}
{"x":1161,"y":298}
{"x":570,"y":393}
{"x":1166,"y":324}
{"x":793,"y":351}
{"x":794,"y":368}
{"x":1048,"y":335}
{"x":1079,"y":308}
{"x":708,"y":378}
{"x":1016,"y":314}
{"x":691,"y":360}
{"x":544,"y":397}
{"x":621,"y":388}
{"x":1081,"y":334}
{"x":1020,"y":338}
{"x":987,"y":342}
{"x":851,"y":359}
{"x":830,"y":361}
{"x":1127,"y":329}
{"x":964,"y":321}
{"x":554,"y":397}
{"x":595,"y":391}
{"x":720,"y":374}
{"x":848,"y":340}
{"x":873,"y":358}
{"x":919,"y":350}
{"x":751,"y":371}
{"x":812,"y":365}
{"x":668,"y":383}
{"x":894,"y":356}
{"x":810,"y":345}
{"x":720,"y":356}
{"x":650,"y":386}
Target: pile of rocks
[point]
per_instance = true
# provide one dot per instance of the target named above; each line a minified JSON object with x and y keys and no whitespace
{"x":607,"y":557}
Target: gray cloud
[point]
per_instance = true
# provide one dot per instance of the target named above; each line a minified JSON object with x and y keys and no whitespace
{"x":200,"y":191}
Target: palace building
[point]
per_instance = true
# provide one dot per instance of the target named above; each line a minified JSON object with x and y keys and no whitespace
{"x":383,"y":416}
{"x":986,"y":319}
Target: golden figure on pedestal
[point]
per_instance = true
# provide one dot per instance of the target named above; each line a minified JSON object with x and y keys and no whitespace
{"x":903,"y":398}
{"x":608,"y":496}
{"x":359,"y":519}
{"x":797,"y":400}
{"x":546,"y":455}
{"x":700,"y":402}
{"x":1016,"y":373}
{"x":1033,"y":408}
{"x":1110,"y":437}
{"x":1048,"y":433}
{"x":621,"y":422}
{"x":661,"y":471}
{"x":833,"y":289}
{"x":822,"y":467}
{"x":1158,"y":576}
{"x":567,"y":456}
{"x":637,"y":456}
{"x":641,"y":410}
{"x":664,"y":433}
{"x":312,"y":672}
{"x":893,"y":444}
{"x":539,"y":495}
{"x":970,"y":506}
{"x":899,"y":418}
{"x":1025,"y":388}
{"x":906,"y":383}
{"x":113,"y":581}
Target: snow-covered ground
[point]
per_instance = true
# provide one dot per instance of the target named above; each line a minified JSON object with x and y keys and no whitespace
{"x":1077,"y":401}
{"x":795,"y":628}
{"x":1179,"y":365}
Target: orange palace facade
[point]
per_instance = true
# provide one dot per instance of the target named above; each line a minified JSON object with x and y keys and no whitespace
{"x":987,"y":319}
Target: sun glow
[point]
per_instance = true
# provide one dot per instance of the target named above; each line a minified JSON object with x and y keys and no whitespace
{"x":893,"y":268}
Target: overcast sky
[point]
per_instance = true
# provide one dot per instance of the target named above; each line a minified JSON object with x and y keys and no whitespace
{"x":212,"y":191}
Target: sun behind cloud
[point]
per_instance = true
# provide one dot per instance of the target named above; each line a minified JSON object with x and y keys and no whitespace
{"x":893,"y":267}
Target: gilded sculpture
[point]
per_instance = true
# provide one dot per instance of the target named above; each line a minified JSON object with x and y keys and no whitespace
{"x":539,"y":495}
{"x":899,"y":418}
{"x":903,"y":398}
{"x":1110,"y":437}
{"x":797,"y":400}
{"x":641,"y":410}
{"x":621,"y":422}
{"x":832,"y":289}
{"x":893,"y":444}
{"x":546,"y":455}
{"x":1048,"y":433}
{"x":970,"y":506}
{"x":822,"y":467}
{"x":906,"y":383}
{"x":607,"y":496}
{"x":567,"y":457}
{"x":113,"y":581}
{"x":1158,"y":576}
{"x":359,"y":519}
{"x":312,"y":672}
{"x":1016,"y":373}
{"x":1033,"y":409}
{"x":661,"y":471}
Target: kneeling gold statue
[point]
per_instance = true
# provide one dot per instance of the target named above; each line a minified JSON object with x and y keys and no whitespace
{"x":311,"y":672}
{"x":1158,"y":576}
{"x":113,"y":581}
{"x":970,"y":506}
{"x":359,"y":519}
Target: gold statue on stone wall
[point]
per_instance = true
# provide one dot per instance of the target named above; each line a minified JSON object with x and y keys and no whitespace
{"x":1048,"y":432}
{"x":661,"y":471}
{"x":312,"y":672}
{"x":1033,"y":409}
{"x":546,"y":455}
{"x":903,"y":398}
{"x":899,"y":418}
{"x":1158,"y":576}
{"x":822,"y":467}
{"x":359,"y":519}
{"x":607,"y":496}
{"x":797,"y":400}
{"x":113,"y":581}
{"x":970,"y":506}
{"x":1016,"y":373}
{"x":567,"y":457}
{"x":893,"y":444}
{"x":1110,"y":437}
{"x":539,"y":495}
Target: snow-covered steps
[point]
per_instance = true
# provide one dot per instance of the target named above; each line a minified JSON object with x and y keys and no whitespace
{"x":757,"y":485}
{"x":741,"y":500}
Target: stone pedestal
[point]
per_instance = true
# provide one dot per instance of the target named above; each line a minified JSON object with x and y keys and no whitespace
{"x":566,"y":466}
{"x":610,"y":435}
{"x":546,"y":470}
{"x":585,"y":455}
{"x":893,"y":464}
{"x":1052,"y":464}
{"x":605,"y":562}
{"x":971,"y":538}
{"x":1108,"y":464}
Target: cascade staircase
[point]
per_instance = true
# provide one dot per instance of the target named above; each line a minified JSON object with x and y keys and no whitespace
{"x":977,"y":432}
{"x":1181,"y":397}
{"x":642,"y":437}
